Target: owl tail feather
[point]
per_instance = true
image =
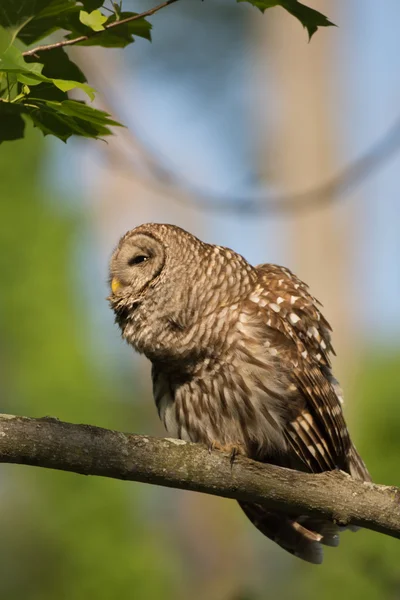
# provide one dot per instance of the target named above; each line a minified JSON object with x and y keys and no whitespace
{"x":303,"y":537}
{"x":357,"y":468}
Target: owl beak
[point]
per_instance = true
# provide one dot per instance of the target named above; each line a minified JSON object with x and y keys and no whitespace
{"x":115,"y":285}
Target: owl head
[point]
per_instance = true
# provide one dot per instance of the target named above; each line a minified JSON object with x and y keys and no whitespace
{"x":152,"y":271}
{"x":145,"y":254}
{"x":164,"y":281}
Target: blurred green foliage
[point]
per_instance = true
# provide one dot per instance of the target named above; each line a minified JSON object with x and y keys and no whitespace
{"x":63,"y":536}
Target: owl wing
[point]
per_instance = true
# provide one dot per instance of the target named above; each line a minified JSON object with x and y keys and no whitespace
{"x":315,"y":431}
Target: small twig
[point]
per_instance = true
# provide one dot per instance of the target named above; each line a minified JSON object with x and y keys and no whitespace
{"x":83,"y":38}
{"x":92,"y":450}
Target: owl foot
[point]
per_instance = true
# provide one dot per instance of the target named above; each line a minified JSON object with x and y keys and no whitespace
{"x":232,"y":449}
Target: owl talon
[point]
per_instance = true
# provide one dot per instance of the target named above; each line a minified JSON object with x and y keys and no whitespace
{"x":234,"y":452}
{"x":232,"y":449}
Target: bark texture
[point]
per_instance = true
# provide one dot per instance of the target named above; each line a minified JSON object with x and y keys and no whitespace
{"x":90,"y":450}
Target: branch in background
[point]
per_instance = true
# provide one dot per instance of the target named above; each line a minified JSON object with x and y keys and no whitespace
{"x":83,"y":38}
{"x":163,"y":176}
{"x":91,"y":450}
{"x":350,"y":178}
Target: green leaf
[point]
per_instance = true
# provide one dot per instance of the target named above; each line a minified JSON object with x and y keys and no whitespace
{"x":13,"y":62}
{"x":15,"y":12}
{"x":310,"y":19}
{"x":5,"y":39}
{"x":50,"y":123}
{"x":61,"y":119}
{"x":47,"y":91}
{"x":92,"y":4}
{"x":115,"y":37}
{"x":95,"y":20}
{"x":67,"y":118}
{"x":83,"y":111}
{"x":12,"y":59}
{"x":26,"y":77}
{"x":12,"y":125}
{"x":47,"y":20}
{"x":57,"y":7}
{"x":31,"y":78}
{"x":57,"y":64}
{"x":65,"y":86}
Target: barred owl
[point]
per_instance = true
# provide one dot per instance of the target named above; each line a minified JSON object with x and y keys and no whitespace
{"x":240,"y":360}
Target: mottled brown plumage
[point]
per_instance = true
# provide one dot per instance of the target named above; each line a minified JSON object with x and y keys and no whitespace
{"x":241,"y":359}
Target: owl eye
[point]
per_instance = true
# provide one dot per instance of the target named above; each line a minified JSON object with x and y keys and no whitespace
{"x":136,"y":260}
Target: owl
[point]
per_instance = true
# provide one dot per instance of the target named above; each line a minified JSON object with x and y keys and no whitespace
{"x":241,"y":361}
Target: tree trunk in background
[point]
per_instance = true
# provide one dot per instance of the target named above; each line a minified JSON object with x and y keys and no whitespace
{"x":299,"y":153}
{"x":207,"y":535}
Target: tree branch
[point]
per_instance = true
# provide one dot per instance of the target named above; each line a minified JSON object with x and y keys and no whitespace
{"x":92,"y":450}
{"x":83,"y":38}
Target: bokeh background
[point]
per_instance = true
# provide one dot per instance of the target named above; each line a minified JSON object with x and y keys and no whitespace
{"x":232,"y":116}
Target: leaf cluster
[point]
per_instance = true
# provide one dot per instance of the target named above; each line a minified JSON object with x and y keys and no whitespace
{"x":35,"y":80}
{"x":35,"y":87}
{"x":310,"y":18}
